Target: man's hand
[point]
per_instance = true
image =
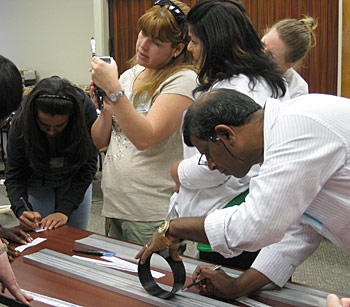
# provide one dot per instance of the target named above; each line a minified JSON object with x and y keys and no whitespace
{"x":187,"y":228}
{"x":8,"y":235}
{"x":215,"y":283}
{"x":219,"y":284}
{"x":154,"y":245}
{"x":30,"y":220}
{"x":54,"y":220}
{"x":15,"y":235}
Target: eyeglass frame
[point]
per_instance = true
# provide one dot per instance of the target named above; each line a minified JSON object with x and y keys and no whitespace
{"x":215,"y":139}
{"x":205,"y":163}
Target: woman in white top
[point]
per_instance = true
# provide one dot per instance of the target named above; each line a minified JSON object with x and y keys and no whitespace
{"x":289,"y":41}
{"x":229,"y":53}
{"x":140,"y":123}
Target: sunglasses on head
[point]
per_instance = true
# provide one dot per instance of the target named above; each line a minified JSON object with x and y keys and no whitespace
{"x":173,"y":9}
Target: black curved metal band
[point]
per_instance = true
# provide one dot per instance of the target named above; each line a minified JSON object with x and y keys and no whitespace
{"x":149,"y":284}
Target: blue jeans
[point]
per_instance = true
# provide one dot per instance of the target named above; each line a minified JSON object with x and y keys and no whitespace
{"x":42,"y":197}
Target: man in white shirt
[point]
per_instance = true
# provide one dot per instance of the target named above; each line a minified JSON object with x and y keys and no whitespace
{"x":300,"y":195}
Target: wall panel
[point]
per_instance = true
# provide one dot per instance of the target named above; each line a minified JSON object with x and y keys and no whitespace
{"x":345,"y":84}
{"x":319,"y":69}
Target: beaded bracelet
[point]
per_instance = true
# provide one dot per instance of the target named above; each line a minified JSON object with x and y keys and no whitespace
{"x":3,"y":249}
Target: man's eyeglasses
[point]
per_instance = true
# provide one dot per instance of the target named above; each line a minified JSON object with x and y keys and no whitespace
{"x":203,"y":161}
{"x":173,"y":9}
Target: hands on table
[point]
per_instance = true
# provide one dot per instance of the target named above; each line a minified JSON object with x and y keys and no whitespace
{"x":32,"y":220}
{"x":8,"y":280}
{"x":15,"y":235}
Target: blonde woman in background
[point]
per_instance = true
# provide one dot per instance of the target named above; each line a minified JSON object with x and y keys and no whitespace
{"x":140,"y":124}
{"x":289,"y":41}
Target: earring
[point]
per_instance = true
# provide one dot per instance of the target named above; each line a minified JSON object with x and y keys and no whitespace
{"x":175,"y":55}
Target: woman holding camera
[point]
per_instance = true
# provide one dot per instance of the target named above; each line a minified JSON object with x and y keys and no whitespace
{"x":140,"y":123}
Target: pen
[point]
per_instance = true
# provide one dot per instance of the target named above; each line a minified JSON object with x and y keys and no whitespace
{"x":198,"y":281}
{"x":93,"y":252}
{"x":93,"y":46}
{"x":25,"y":204}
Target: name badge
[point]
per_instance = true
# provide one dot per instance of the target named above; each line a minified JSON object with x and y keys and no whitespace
{"x":57,"y":162}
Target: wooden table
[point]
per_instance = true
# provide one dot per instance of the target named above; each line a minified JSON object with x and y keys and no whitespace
{"x":33,"y":278}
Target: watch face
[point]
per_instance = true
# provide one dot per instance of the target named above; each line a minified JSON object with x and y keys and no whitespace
{"x":112,"y":97}
{"x":115,"y":96}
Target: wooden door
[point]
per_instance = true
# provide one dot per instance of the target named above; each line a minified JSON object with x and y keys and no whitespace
{"x":319,"y":68}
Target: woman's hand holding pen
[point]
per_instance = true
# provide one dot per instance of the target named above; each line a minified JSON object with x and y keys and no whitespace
{"x":30,"y":220}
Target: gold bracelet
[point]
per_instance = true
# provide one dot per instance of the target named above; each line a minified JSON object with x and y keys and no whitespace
{"x":3,"y":249}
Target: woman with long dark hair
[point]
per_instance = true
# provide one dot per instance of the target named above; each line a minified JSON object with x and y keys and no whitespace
{"x":51,"y":158}
{"x":229,"y":54}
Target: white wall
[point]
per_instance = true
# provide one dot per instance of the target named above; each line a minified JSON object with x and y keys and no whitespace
{"x":53,"y":36}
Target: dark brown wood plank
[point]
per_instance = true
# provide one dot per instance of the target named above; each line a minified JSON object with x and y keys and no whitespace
{"x":319,"y":68}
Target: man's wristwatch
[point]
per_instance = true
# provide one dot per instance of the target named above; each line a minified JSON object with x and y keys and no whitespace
{"x":115,"y":96}
{"x":162,"y":230}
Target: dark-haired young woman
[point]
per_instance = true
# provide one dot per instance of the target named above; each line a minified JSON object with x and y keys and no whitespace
{"x":51,"y":158}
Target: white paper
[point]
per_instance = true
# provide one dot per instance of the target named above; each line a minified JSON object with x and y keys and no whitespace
{"x":117,"y":263}
{"x":122,"y":262}
{"x":36,"y":241}
{"x":39,"y":229}
{"x":49,"y":300}
{"x":108,"y":264}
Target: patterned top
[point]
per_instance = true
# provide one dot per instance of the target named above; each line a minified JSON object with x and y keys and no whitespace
{"x":136,"y":184}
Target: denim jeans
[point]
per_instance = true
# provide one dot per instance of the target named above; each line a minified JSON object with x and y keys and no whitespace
{"x":42,"y":197}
